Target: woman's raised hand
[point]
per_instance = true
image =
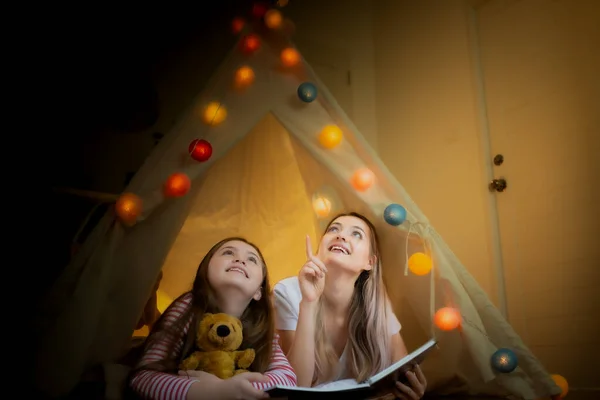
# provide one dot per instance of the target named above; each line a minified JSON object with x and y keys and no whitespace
{"x":312,"y":275}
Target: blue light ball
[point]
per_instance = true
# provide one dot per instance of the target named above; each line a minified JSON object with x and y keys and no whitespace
{"x":307,"y":92}
{"x":504,"y":360}
{"x":394,"y":214}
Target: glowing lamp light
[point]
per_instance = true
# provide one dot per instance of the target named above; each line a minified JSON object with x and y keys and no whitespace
{"x":128,"y":208}
{"x":290,"y":57}
{"x":237,"y":25}
{"x":250,"y":44}
{"x":447,"y":318}
{"x":419,"y":264}
{"x":163,"y":300}
{"x":362,"y":179}
{"x":562,"y":383}
{"x":273,"y":19}
{"x":322,"y":206}
{"x":244,"y":77}
{"x":259,"y":9}
{"x":177,"y":185}
{"x":504,"y":360}
{"x":214,"y":113}
{"x":330,"y":136}
{"x":200,"y":150}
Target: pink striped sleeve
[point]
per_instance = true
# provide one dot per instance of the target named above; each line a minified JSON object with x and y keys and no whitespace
{"x":154,"y":385}
{"x":280,"y":372}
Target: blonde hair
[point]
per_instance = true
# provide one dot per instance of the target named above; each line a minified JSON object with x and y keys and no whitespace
{"x":369,"y":348}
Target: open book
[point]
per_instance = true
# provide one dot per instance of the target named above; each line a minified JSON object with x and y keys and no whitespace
{"x":350,"y":389}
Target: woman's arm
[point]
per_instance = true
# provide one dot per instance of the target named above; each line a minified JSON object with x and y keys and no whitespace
{"x":280,"y":372}
{"x":299,"y":345}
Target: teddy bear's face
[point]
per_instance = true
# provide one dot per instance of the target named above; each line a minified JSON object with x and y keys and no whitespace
{"x":219,"y":332}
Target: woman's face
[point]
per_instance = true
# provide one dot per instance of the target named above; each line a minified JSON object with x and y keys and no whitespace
{"x":347,"y":244}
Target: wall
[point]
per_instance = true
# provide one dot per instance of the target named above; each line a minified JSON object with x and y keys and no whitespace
{"x":427,"y":118}
{"x":348,"y":31}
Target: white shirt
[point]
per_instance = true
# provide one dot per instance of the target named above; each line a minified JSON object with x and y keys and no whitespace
{"x":286,"y":300}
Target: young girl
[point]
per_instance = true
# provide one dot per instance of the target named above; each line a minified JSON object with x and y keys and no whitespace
{"x":232,"y":278}
{"x":334,"y":319}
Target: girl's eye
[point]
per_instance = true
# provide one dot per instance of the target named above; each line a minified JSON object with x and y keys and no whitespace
{"x":253,"y":259}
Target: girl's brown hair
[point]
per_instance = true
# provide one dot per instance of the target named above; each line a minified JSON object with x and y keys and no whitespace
{"x":257,"y":319}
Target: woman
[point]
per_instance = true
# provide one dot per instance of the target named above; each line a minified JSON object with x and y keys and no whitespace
{"x":334,"y":319}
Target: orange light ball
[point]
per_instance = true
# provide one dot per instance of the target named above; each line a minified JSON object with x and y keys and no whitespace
{"x":322,"y":206}
{"x":419,"y":264}
{"x":128,"y":208}
{"x":214,"y":113}
{"x":237,"y":25}
{"x":177,"y":185}
{"x":273,"y":19}
{"x":244,"y":77}
{"x":362,"y":179}
{"x":290,"y":57}
{"x":447,"y":318}
{"x":250,"y":44}
{"x":562,"y":383}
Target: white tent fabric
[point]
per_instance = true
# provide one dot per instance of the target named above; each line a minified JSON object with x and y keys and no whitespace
{"x":265,"y":168}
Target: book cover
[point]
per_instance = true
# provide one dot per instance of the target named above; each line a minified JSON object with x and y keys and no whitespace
{"x":349,"y":389}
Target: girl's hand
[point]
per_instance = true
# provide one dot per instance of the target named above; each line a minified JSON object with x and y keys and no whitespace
{"x":238,"y":387}
{"x":415,"y":388}
{"x":311,"y":276}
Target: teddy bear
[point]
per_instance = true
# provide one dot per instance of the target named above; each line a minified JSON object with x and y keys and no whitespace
{"x":218,"y":339}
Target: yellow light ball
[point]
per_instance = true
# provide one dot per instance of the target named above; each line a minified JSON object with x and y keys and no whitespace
{"x":214,"y":113}
{"x":322,"y":206}
{"x":419,"y":264}
{"x":330,"y":136}
{"x":562,"y":383}
{"x":244,"y":77}
{"x":273,"y":19}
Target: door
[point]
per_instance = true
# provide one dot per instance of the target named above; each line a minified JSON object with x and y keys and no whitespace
{"x":540,"y":62}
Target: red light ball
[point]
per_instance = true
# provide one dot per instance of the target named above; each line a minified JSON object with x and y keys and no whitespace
{"x":200,"y":150}
{"x":250,"y":44}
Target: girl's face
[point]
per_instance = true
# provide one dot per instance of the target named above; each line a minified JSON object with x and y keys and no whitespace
{"x":347,"y":244}
{"x":236,"y":265}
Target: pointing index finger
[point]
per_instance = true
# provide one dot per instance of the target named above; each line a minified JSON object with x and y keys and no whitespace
{"x":309,"y":252}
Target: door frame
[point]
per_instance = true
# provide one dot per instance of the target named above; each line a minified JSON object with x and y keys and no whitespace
{"x":486,"y":152}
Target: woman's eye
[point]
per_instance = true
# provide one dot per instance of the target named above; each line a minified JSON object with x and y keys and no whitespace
{"x":357,"y":234}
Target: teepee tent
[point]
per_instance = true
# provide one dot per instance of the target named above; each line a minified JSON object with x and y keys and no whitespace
{"x":272,"y":177}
